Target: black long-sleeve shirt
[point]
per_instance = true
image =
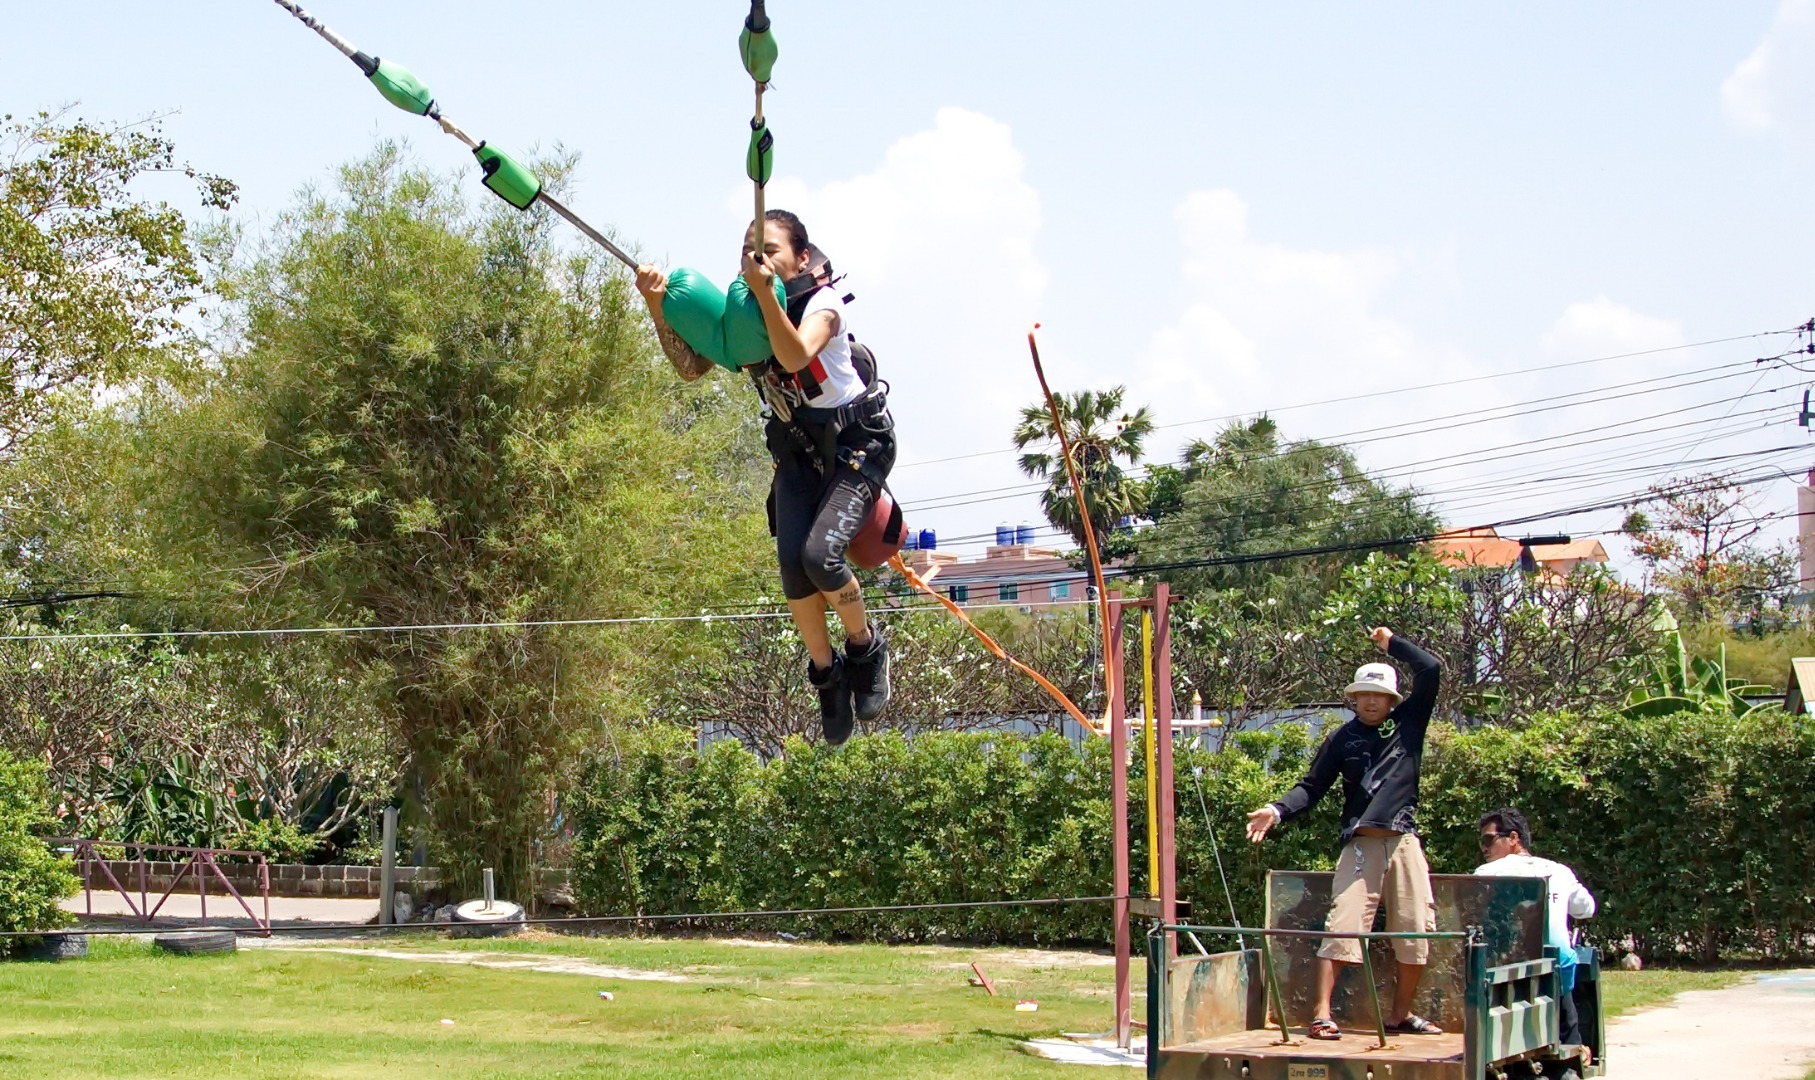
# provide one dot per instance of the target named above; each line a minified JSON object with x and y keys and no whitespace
{"x":1379,"y":765}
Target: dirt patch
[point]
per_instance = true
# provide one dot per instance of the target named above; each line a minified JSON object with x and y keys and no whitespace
{"x":553,"y":965}
{"x":756,"y":943}
{"x":1018,"y":958}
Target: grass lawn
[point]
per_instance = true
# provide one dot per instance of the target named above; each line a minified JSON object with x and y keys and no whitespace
{"x":799,"y":1012}
{"x":744,"y":1011}
{"x":1623,"y":991}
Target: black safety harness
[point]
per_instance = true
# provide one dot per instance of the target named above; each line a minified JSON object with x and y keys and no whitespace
{"x":818,"y":434}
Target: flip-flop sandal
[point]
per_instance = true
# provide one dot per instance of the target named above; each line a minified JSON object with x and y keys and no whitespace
{"x":1324,"y":1028}
{"x":1414,"y":1025}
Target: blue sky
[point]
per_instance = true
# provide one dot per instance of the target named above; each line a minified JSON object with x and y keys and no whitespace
{"x":1228,"y":207}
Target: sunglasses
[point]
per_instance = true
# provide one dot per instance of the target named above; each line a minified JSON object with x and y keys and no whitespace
{"x":1488,"y":838}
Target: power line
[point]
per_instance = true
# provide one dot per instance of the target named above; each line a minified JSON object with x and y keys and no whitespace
{"x":1137,"y":570}
{"x":1460,"y":458}
{"x":723,"y":615}
{"x":1303,"y":447}
{"x":1520,"y":469}
{"x":1444,"y":422}
{"x":1408,"y":389}
{"x":1516,"y":474}
{"x":1651,"y":495}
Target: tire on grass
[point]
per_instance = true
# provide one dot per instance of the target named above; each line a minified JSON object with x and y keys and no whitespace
{"x":197,"y":942}
{"x":55,"y":947}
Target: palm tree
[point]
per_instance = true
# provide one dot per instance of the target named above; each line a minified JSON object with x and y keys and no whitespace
{"x":1103,"y":437}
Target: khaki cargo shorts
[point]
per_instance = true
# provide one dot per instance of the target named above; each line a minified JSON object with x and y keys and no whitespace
{"x":1374,"y":868}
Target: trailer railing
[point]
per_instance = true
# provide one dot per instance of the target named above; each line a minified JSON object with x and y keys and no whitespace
{"x":1156,"y":961}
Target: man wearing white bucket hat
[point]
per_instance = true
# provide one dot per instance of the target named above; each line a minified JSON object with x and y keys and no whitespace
{"x":1377,"y":754}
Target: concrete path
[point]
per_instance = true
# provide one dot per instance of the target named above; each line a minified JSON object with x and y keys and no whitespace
{"x":1076,"y":1049}
{"x":223,"y":910}
{"x":554,"y":965}
{"x":1763,"y":1029}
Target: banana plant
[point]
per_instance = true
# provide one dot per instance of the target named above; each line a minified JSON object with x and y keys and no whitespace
{"x":1676,"y":682}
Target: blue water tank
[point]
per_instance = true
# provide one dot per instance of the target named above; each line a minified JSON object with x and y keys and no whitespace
{"x":1024,"y":535}
{"x":910,"y":542}
{"x":929,"y":540}
{"x":1005,"y":535}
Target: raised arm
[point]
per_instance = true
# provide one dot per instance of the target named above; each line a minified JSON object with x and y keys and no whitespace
{"x":794,"y":348}
{"x":1427,"y":673}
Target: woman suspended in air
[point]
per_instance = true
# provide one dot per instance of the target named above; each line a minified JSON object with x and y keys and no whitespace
{"x":829,"y":432}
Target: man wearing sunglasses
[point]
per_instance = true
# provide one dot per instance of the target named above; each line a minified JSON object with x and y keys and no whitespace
{"x":1377,"y":754}
{"x":1506,"y":845}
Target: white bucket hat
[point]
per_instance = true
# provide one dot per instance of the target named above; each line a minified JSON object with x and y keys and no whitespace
{"x":1376,"y":679}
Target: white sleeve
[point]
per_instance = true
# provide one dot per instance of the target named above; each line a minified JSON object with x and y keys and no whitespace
{"x":827,"y":299}
{"x":1581,"y":901}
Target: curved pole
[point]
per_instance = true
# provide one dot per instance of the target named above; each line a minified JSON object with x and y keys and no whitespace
{"x":1090,"y":535}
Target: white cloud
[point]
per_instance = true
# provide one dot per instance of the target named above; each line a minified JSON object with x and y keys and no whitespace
{"x":1267,"y":325}
{"x":1773,"y":86}
{"x":938,"y":242}
{"x":1600,"y":327}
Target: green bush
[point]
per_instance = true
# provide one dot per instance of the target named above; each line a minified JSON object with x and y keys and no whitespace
{"x":32,"y":878}
{"x":277,"y":841}
{"x":941,"y":818}
{"x":1693,"y":830}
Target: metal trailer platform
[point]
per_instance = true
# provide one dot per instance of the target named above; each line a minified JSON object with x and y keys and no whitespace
{"x":1491,"y":984}
{"x":1261,"y":1054}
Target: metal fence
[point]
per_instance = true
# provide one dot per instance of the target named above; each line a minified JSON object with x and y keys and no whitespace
{"x":198,"y":865}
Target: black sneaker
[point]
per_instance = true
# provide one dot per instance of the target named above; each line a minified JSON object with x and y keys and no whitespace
{"x":867,"y":667}
{"x":834,"y":690}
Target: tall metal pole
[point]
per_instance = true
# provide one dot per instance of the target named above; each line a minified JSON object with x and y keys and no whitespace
{"x":387,"y":868}
{"x":1163,"y":704}
{"x":1118,"y":802}
{"x":1149,"y":745}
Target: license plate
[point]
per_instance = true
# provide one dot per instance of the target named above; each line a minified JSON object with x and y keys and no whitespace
{"x":1304,"y":1070}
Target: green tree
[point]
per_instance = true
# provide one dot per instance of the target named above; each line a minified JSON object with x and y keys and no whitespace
{"x":94,"y":279}
{"x":32,"y":880}
{"x":1514,"y":645}
{"x":1104,"y":437}
{"x":1699,"y":543}
{"x":146,"y":741}
{"x":748,"y":685}
{"x":1247,"y":492}
{"x":436,"y":417}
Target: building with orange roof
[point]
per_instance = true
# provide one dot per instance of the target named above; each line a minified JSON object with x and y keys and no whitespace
{"x":1007,"y":574}
{"x":1484,"y":547}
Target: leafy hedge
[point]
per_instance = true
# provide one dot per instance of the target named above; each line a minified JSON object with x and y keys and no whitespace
{"x":32,"y":878}
{"x":887,"y":820}
{"x":1693,"y":830}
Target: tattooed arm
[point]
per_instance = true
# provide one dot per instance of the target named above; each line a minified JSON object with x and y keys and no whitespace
{"x":688,"y":364}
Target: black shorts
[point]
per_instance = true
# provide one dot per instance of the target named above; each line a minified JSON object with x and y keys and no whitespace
{"x":814,"y":517}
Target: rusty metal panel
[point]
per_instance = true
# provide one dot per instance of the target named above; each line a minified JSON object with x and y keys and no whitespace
{"x":1213,"y":995}
{"x":1510,"y":912}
